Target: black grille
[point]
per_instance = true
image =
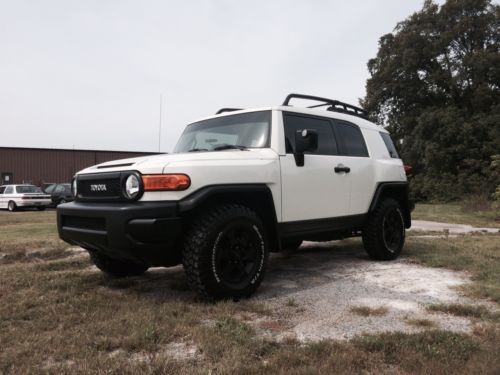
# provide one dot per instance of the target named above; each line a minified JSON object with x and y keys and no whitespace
{"x":84,"y":222}
{"x":100,"y":186}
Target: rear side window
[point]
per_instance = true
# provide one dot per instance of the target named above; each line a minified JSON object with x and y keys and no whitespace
{"x":390,"y":145}
{"x":326,"y":139}
{"x":353,"y":143}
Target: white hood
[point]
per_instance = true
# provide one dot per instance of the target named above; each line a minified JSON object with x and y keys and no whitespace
{"x":156,"y":163}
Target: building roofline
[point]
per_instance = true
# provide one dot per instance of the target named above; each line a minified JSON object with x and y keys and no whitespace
{"x":76,"y":149}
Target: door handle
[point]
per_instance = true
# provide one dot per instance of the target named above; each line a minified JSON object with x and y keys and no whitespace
{"x":341,"y":168}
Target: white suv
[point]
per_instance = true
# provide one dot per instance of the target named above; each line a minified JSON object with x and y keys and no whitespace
{"x":240,"y":184}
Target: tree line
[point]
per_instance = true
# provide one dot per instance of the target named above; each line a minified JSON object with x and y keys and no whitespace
{"x":435,"y":85}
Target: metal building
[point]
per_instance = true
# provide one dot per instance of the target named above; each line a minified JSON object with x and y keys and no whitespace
{"x":41,"y":166}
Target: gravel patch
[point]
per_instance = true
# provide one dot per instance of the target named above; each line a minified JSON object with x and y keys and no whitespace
{"x":434,"y":226}
{"x":312,"y":292}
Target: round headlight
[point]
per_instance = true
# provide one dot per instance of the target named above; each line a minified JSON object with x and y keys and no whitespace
{"x":132,"y":186}
{"x":73,"y":187}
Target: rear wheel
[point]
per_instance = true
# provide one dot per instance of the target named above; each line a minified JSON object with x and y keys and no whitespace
{"x":225,"y":253}
{"x":384,"y":232}
{"x":12,"y":206}
{"x":115,"y":267}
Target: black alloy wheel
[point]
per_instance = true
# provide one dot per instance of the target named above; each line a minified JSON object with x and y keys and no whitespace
{"x":393,"y":229}
{"x":238,"y":250}
{"x":384,"y":231}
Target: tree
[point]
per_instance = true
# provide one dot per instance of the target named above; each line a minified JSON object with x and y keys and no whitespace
{"x":435,"y":83}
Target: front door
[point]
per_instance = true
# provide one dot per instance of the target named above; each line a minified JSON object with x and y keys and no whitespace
{"x":2,"y":199}
{"x":316,"y":190}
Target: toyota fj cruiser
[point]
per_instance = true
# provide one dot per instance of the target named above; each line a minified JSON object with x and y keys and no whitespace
{"x":240,"y":184}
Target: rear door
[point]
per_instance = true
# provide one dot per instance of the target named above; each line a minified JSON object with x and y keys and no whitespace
{"x":315,"y":190}
{"x":357,"y":159}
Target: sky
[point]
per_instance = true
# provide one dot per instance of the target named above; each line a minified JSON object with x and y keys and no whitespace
{"x":91,"y":74}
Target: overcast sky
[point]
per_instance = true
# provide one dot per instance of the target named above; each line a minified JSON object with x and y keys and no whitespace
{"x":88,"y":74}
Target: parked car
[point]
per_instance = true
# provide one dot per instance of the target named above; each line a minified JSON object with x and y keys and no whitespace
{"x":13,"y":197}
{"x":59,"y":193}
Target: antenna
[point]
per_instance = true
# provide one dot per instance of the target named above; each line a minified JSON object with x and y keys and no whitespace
{"x":159,"y":127}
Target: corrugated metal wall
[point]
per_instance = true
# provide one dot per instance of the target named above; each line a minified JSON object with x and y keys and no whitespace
{"x":38,"y":166}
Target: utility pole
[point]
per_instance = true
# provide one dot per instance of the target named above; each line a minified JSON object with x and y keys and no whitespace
{"x":159,"y":127}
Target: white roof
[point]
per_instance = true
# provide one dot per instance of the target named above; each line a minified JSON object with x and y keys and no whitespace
{"x":361,"y":122}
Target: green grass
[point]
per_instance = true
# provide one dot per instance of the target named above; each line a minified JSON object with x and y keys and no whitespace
{"x":420,"y":323}
{"x":477,"y":254}
{"x":369,"y":311}
{"x":468,"y":311}
{"x":59,"y":315}
{"x":456,"y":213}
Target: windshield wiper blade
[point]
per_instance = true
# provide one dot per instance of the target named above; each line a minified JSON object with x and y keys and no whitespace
{"x":197,"y":149}
{"x":229,"y":147}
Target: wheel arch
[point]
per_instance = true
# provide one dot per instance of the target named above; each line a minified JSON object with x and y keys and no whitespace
{"x":257,"y":197}
{"x":398,"y":191}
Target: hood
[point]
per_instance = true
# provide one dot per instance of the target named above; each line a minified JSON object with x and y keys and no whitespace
{"x":156,"y":163}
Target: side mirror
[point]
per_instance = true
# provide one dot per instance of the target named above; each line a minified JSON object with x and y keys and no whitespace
{"x":305,"y":140}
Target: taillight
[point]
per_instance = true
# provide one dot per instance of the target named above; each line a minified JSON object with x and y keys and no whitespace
{"x":408,"y":170}
{"x":159,"y":182}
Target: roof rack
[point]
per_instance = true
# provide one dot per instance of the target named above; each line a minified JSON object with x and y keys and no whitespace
{"x":222,"y":110}
{"x":335,"y":105}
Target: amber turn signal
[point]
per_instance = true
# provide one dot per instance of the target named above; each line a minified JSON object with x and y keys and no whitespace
{"x":159,"y":182}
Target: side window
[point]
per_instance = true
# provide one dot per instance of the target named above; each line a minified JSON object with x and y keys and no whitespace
{"x":59,"y":189}
{"x":9,"y":190}
{"x":326,"y":139}
{"x":50,"y":189}
{"x":2,"y":189}
{"x":390,"y":145}
{"x":353,"y":143}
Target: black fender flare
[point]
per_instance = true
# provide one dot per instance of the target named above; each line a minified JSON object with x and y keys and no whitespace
{"x":398,"y":190}
{"x":257,"y":196}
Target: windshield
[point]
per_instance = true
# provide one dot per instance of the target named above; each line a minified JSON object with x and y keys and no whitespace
{"x":27,"y":189}
{"x":246,"y":130}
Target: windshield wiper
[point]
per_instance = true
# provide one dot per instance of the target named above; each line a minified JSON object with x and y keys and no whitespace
{"x":197,"y":149}
{"x":229,"y":147}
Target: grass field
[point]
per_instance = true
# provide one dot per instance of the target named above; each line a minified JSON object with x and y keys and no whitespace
{"x":457,"y":213}
{"x":60,"y":315}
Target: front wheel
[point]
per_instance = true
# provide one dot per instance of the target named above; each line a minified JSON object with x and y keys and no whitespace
{"x":225,"y":253}
{"x":384,"y":232}
{"x":12,"y":206}
{"x":116,"y":267}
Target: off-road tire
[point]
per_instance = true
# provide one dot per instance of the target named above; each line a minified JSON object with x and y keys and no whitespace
{"x":11,"y":206}
{"x":207,"y":260}
{"x":115,"y":267}
{"x":384,"y":231}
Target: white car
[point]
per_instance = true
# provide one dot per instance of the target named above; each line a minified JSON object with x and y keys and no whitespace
{"x":242,"y":183}
{"x":25,"y":196}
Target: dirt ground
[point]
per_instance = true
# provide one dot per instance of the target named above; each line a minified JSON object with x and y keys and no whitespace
{"x":313,"y":293}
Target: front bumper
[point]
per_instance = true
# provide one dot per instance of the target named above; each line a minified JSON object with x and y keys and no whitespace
{"x":145,"y":232}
